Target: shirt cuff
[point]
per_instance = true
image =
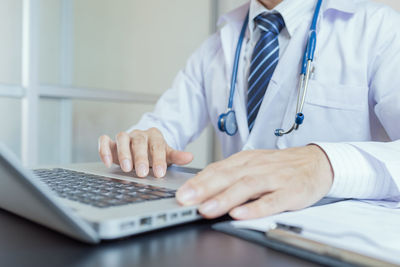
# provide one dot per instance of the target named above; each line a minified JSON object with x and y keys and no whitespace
{"x":356,"y":174}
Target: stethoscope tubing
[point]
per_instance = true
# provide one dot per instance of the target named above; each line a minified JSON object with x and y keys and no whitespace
{"x":305,"y":74}
{"x":236,"y":62}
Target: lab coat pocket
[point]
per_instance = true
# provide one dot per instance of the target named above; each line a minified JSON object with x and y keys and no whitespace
{"x":337,"y":96}
{"x":333,"y":113}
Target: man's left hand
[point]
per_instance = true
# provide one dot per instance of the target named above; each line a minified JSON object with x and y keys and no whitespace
{"x":258,"y":183}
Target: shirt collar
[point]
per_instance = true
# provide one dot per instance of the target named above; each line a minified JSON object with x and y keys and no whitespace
{"x":346,"y":6}
{"x":292,"y":11}
{"x":235,"y":16}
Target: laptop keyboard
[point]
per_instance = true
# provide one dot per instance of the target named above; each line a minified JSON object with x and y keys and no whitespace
{"x":99,"y":191}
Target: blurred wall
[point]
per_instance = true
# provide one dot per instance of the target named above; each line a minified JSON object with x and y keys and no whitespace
{"x":135,"y":46}
{"x":10,"y":71}
{"x":128,"y":45}
{"x":131,"y":45}
{"x":393,"y":3}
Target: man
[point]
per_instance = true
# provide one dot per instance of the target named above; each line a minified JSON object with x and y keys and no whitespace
{"x":348,"y":146}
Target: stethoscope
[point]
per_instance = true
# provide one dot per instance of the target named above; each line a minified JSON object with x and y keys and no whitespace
{"x":227,"y":121}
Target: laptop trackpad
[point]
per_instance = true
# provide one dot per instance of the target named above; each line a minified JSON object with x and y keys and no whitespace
{"x":174,"y":177}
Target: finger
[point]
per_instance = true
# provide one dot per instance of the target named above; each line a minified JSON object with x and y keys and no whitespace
{"x":249,"y":187}
{"x":209,"y":182}
{"x":124,"y":151}
{"x":178,"y":157}
{"x":157,"y":150}
{"x":114,"y":152}
{"x":105,"y":150}
{"x":140,"y":155}
{"x":215,"y":178}
{"x":269,"y":204}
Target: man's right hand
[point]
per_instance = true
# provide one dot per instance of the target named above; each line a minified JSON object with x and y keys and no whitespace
{"x":139,"y":150}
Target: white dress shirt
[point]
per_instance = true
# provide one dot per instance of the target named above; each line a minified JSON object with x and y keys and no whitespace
{"x":352,"y":108}
{"x":293,"y":12}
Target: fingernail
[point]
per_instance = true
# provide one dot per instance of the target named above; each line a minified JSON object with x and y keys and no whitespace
{"x":209,"y":207}
{"x":159,"y":171}
{"x":240,"y":212}
{"x":126,"y":165}
{"x":141,"y":170}
{"x":185,"y":194}
{"x":107,"y":161}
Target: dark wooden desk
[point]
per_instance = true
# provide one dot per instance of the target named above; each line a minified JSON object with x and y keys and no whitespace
{"x":23,"y":243}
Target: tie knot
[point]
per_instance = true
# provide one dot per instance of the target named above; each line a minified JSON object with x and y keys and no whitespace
{"x":270,"y":22}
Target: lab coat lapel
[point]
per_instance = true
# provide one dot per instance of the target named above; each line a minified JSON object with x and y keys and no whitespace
{"x":346,"y":6}
{"x":230,"y":33}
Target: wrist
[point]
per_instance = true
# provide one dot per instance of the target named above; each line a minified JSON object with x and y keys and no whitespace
{"x":324,"y":169}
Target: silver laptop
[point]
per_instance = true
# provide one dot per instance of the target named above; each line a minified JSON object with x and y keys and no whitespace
{"x":90,"y":202}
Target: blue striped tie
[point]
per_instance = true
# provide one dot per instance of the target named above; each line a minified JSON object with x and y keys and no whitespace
{"x":263,"y":62}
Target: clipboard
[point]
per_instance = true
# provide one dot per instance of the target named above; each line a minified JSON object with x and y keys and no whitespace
{"x":294,"y":244}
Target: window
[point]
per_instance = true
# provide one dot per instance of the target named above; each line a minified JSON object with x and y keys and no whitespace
{"x":72,"y":70}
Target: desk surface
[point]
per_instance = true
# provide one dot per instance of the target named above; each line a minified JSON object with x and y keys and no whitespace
{"x":23,"y":243}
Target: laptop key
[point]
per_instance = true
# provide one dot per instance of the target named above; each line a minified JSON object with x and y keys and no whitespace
{"x":99,"y":191}
{"x":162,"y":194}
{"x":134,"y":200}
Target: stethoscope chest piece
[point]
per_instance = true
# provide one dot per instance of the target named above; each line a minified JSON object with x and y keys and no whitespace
{"x":227,"y":123}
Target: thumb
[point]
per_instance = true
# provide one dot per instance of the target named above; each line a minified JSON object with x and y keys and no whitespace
{"x":179,"y":157}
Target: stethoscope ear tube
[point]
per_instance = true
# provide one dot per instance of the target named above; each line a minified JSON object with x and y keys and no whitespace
{"x":304,"y":74}
{"x":298,"y":121}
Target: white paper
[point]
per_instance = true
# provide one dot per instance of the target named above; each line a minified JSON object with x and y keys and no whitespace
{"x":365,"y":228}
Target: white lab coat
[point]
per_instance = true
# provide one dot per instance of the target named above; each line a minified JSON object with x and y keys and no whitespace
{"x":353,"y":99}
